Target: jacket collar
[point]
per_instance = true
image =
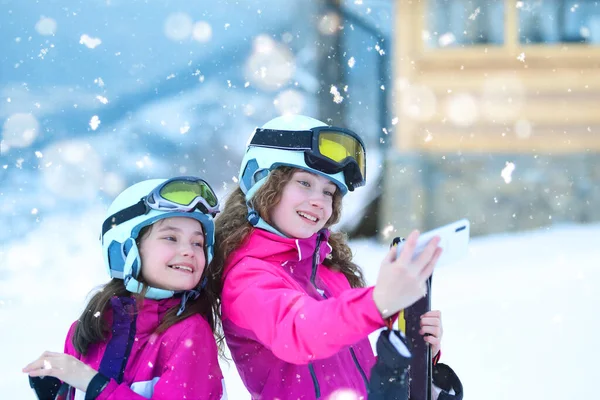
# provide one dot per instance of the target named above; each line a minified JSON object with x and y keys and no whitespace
{"x":274,"y":248}
{"x":149,"y":314}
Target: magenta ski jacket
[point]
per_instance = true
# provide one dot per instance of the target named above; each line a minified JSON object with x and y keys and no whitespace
{"x":295,"y":328}
{"x":179,"y":363}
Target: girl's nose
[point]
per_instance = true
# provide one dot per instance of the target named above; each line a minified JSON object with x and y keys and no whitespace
{"x":187,"y":250}
{"x":317,"y":200}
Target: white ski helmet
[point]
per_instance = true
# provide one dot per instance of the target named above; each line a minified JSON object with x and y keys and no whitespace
{"x":306,"y":143}
{"x":126,"y":217}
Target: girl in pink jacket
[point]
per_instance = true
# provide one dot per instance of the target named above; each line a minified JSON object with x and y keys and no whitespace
{"x":149,"y":332}
{"x":296,"y":312}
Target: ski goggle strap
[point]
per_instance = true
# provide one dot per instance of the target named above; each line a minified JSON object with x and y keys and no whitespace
{"x":181,"y":194}
{"x":327,"y":149}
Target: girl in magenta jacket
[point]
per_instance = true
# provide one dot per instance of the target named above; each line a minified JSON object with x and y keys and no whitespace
{"x":296,"y":312}
{"x":149,"y":332}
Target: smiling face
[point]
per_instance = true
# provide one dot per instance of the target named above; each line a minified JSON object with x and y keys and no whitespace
{"x":172,"y":254}
{"x":306,"y":205}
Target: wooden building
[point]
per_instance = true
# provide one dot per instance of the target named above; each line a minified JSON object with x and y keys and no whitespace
{"x":498,"y":114}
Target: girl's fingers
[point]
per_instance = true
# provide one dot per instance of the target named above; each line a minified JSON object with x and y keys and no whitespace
{"x":433,"y":314}
{"x":44,"y":361}
{"x":41,"y":372}
{"x":428,"y":251}
{"x":409,"y":248}
{"x":432,"y":340}
{"x":51,"y":354}
{"x":430,"y":321}
{"x":390,"y":257}
{"x":428,"y":270}
{"x":432,"y":330}
{"x":37,"y":364}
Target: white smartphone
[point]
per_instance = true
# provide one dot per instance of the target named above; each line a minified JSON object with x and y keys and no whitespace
{"x":454,"y":240}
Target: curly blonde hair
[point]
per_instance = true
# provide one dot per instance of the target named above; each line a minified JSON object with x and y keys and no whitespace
{"x":232,"y":227}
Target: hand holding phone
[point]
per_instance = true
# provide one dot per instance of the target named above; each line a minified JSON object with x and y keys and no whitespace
{"x":454,"y":241}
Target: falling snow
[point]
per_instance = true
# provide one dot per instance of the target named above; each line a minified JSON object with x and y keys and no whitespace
{"x":387,"y":231}
{"x":46,"y":26}
{"x":475,"y":13}
{"x":275,"y":72}
{"x":94,"y":122}
{"x":89,"y":42}
{"x":446,"y":39}
{"x":337,"y":98}
{"x":507,"y":172}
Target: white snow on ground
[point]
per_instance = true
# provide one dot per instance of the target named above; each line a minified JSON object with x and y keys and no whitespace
{"x":520,"y":313}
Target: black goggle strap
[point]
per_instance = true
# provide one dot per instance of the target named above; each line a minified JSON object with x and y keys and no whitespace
{"x":300,"y":140}
{"x":125,"y":214}
{"x":297,"y":140}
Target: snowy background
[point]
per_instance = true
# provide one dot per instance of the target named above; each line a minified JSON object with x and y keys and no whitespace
{"x":99,"y":94}
{"x":519,"y":314}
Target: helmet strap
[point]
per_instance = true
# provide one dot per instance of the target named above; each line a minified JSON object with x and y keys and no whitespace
{"x":132,"y":268}
{"x":194,"y":294}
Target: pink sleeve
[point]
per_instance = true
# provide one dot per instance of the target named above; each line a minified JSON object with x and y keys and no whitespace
{"x":69,"y":348}
{"x":192,"y":371}
{"x":293,"y":325}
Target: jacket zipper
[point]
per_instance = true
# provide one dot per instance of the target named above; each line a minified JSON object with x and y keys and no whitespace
{"x":311,"y":368}
{"x":362,"y":373}
{"x":313,"y":277}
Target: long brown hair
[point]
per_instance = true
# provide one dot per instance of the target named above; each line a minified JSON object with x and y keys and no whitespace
{"x":232,"y":226}
{"x":92,"y":327}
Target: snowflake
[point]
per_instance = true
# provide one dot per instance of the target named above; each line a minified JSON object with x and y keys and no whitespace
{"x":506,"y":173}
{"x":387,"y":231}
{"x":94,"y":122}
{"x":473,"y":16}
{"x":89,"y":42}
{"x":337,"y":98}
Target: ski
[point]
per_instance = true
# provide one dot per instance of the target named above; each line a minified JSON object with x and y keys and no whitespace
{"x":421,"y":366}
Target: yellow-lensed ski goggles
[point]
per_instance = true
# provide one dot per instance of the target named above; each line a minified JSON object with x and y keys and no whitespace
{"x":327,"y":149}
{"x":180,"y":194}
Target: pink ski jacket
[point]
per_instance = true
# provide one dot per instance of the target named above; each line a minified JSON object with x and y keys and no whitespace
{"x":179,"y":363}
{"x":295,"y":328}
